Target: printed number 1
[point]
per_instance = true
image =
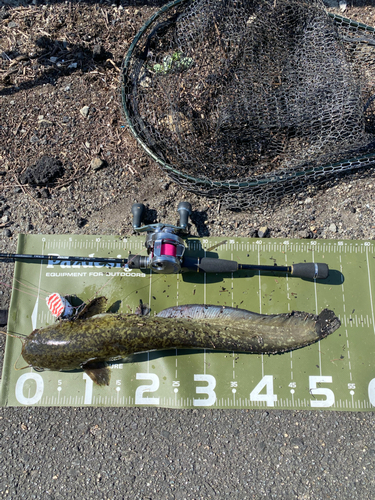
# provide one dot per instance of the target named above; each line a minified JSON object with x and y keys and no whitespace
{"x":88,"y":389}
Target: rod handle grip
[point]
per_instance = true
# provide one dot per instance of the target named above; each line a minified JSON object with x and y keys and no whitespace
{"x":310,"y":270}
{"x":208,"y":265}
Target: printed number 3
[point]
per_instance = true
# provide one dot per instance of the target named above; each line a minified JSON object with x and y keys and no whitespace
{"x":208,"y":389}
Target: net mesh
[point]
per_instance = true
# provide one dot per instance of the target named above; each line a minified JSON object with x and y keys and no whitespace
{"x":248,"y":100}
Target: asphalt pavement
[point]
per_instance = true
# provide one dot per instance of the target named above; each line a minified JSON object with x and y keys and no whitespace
{"x":149,"y":453}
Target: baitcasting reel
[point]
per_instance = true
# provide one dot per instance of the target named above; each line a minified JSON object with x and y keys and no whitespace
{"x":164,"y":247}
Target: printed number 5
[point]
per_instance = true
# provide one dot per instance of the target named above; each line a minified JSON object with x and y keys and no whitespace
{"x":321,"y":391}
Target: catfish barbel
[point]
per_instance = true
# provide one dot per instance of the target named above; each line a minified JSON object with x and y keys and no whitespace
{"x":91,"y":340}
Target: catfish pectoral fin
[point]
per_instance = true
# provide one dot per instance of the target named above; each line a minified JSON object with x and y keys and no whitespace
{"x":94,"y":307}
{"x":99,"y":373}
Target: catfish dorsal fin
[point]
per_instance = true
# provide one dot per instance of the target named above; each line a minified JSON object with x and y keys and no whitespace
{"x":95,"y":306}
{"x":99,"y":373}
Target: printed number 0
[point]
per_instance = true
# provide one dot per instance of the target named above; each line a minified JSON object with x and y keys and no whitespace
{"x":208,"y":389}
{"x":371,"y":391}
{"x":139,"y":398}
{"x":38,"y":391}
{"x":321,"y":391}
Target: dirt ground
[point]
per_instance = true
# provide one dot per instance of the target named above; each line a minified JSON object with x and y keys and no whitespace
{"x":60,"y":110}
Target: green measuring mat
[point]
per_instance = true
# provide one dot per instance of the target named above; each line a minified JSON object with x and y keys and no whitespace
{"x":337,"y":373}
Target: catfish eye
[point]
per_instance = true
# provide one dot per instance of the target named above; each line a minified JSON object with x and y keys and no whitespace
{"x":37,"y":369}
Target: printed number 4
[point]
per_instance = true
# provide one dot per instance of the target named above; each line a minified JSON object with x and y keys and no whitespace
{"x":269,"y":397}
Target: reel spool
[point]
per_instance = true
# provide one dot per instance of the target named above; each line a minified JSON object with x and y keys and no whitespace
{"x":164,"y":247}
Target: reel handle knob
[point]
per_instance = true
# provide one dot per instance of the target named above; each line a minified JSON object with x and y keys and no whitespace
{"x":184,"y":209}
{"x":138,"y":211}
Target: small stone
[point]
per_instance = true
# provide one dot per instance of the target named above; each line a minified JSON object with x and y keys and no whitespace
{"x":44,"y":193}
{"x":308,"y":201}
{"x":98,"y":53}
{"x":296,"y":442}
{"x":166,"y":434}
{"x":262,"y":446}
{"x":342,"y":5}
{"x":72,"y":66}
{"x":12,"y":24}
{"x":7,"y":233}
{"x":53,"y":59}
{"x":97,"y":163}
{"x":263,"y":232}
{"x":304,"y":234}
{"x":34,"y":139}
{"x":81,"y":222}
{"x":332,"y":228}
{"x":5,"y":219}
{"x":85,"y":111}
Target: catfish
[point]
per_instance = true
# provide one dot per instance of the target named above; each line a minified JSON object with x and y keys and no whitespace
{"x":95,"y":338}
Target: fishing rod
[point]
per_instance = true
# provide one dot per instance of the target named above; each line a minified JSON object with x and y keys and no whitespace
{"x":165,"y":253}
{"x":308,"y":270}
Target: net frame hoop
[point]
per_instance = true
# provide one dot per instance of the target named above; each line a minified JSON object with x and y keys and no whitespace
{"x":340,"y":166}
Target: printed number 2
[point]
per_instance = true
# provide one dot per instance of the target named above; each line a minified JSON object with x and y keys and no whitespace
{"x":269,"y":397}
{"x":208,"y":389}
{"x":321,"y":391}
{"x":154,"y":386}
